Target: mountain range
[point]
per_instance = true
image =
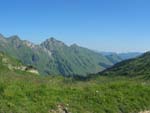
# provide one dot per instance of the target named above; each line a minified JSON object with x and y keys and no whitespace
{"x":123,"y":56}
{"x":53,"y":57}
{"x":122,"y":88}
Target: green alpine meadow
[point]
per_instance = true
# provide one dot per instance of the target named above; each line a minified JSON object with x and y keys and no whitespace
{"x":115,"y":90}
{"x":74,"y":56}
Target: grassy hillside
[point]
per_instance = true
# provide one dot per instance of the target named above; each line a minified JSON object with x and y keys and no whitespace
{"x":22,"y":92}
{"x":34,"y":94}
{"x":134,"y":67}
{"x":8,"y":63}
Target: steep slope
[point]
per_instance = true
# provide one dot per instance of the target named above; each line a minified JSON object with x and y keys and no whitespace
{"x":9,"y":64}
{"x":132,"y":67}
{"x":74,"y":60}
{"x":25,"y":51}
{"x":53,"y":57}
{"x":114,"y":58}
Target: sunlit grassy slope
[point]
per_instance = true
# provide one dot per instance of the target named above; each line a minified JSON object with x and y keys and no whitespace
{"x":22,"y":92}
{"x":139,"y":66}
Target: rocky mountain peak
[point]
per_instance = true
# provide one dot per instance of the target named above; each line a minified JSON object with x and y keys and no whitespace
{"x":14,"y":38}
{"x":29,"y":44}
{"x":2,"y":38}
{"x":52,"y":40}
{"x":52,"y":43}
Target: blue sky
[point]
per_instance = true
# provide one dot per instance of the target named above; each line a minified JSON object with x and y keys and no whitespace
{"x":103,"y":25}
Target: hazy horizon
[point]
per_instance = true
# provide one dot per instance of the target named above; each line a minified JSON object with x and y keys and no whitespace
{"x":101,"y":25}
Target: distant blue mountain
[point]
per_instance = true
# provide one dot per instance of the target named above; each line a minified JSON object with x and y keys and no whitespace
{"x":122,"y":56}
{"x":129,"y":55}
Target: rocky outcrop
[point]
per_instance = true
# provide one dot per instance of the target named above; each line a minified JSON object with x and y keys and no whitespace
{"x":31,"y":69}
{"x":60,"y":109}
{"x":13,"y":64}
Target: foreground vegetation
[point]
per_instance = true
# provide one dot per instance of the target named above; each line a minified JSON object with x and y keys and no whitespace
{"x":35,"y":94}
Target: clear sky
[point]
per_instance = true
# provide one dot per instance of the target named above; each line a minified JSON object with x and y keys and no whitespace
{"x":103,"y":25}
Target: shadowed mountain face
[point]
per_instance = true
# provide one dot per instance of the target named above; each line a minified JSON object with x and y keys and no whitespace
{"x":114,"y":58}
{"x":133,"y":67}
{"x":53,"y":57}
